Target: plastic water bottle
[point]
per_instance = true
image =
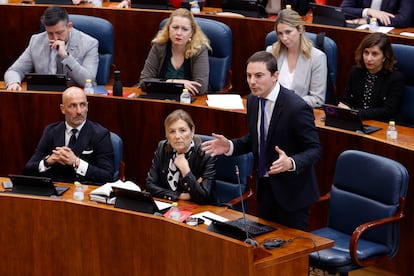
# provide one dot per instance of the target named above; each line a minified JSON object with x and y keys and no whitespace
{"x":174,"y":212}
{"x":373,"y":25}
{"x":88,"y":87}
{"x":185,"y":96}
{"x":392,"y":133}
{"x":117,"y":87}
{"x":78,"y":193}
{"x":195,"y":8}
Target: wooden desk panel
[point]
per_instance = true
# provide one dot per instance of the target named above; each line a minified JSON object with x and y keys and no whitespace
{"x":135,"y":28}
{"x":139,"y":122}
{"x":45,"y":236}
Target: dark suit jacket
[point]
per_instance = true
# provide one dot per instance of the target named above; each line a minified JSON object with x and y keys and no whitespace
{"x":292,"y":128}
{"x":386,"y":96}
{"x":402,"y":9}
{"x":202,"y":165}
{"x":93,"y":146}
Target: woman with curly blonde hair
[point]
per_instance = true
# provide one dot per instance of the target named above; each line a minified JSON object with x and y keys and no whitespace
{"x":302,"y":67}
{"x":179,"y":53}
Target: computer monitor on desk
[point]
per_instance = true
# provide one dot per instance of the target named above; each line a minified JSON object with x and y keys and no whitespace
{"x":329,"y":15}
{"x":150,"y":4}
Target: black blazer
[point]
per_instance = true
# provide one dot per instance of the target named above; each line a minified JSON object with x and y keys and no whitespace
{"x":386,"y":96}
{"x":93,"y":146}
{"x":292,"y":128}
{"x":202,"y":166}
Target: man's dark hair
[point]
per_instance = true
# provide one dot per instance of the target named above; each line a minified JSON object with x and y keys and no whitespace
{"x":54,"y":15}
{"x":266,"y":57}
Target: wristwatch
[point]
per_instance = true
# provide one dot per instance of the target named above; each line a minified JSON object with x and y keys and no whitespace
{"x":47,"y":165}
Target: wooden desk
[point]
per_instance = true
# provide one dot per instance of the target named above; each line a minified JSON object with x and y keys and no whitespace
{"x":135,"y":28}
{"x":139,"y":122}
{"x":46,"y":236}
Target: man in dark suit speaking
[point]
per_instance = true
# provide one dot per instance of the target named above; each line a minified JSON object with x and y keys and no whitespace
{"x":75,"y":149}
{"x":285,"y":144}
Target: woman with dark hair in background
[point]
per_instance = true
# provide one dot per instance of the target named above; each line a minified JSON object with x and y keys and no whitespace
{"x":374,"y":85}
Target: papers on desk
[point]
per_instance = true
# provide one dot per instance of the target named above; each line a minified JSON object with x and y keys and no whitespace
{"x":226,"y":101}
{"x":407,"y":34}
{"x":381,"y":29}
{"x":207,"y":214}
{"x":103,"y":194}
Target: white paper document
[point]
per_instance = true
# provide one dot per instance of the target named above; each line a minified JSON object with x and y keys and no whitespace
{"x":226,"y":101}
{"x":209,"y":214}
{"x":381,"y":29}
{"x":103,"y":194}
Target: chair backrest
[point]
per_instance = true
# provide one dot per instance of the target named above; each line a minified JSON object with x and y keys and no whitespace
{"x":405,"y":64}
{"x":227,"y":187}
{"x":118,"y":147}
{"x":367,"y":187}
{"x":103,"y":31}
{"x":221,"y":41}
{"x":329,"y":48}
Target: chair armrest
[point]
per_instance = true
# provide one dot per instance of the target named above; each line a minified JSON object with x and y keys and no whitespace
{"x":246,"y":195}
{"x":325,"y":197}
{"x":356,"y":235}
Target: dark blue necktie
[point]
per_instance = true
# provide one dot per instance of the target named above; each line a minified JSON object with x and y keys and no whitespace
{"x":72,"y":139}
{"x":262,"y":168}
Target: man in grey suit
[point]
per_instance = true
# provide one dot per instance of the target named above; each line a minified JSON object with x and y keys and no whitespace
{"x":285,"y":144}
{"x":60,"y":49}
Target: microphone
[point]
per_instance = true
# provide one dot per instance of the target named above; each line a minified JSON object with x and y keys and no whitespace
{"x":248,"y":240}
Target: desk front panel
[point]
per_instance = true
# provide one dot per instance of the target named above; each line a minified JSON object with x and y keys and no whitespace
{"x":139,"y":122}
{"x":135,"y":28}
{"x":45,"y":236}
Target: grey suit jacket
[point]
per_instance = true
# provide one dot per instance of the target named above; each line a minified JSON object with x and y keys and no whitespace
{"x":199,"y":65}
{"x":309,"y":80}
{"x":81,"y":64}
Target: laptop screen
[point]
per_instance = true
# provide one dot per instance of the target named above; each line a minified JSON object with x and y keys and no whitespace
{"x":33,"y":185}
{"x":150,"y":4}
{"x":162,"y":90}
{"x":348,"y":119}
{"x":134,"y":200}
{"x":327,"y":15}
{"x":46,"y":82}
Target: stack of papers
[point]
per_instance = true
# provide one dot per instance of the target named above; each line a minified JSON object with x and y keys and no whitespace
{"x":103,"y":194}
{"x":381,"y":29}
{"x":226,"y":101}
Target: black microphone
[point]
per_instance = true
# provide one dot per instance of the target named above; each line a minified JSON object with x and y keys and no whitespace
{"x":248,"y":240}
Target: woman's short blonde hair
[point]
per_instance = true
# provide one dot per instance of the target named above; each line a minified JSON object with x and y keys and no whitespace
{"x":293,"y":19}
{"x":197,"y":41}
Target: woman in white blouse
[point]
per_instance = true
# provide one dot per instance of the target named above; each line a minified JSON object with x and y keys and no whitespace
{"x":302,"y":67}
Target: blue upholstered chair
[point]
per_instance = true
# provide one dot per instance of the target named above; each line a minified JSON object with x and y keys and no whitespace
{"x":221,"y":41}
{"x":103,"y":31}
{"x":118,"y":147}
{"x":227,"y":187}
{"x":329,"y":48}
{"x":405,"y":61}
{"x":366,"y":205}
